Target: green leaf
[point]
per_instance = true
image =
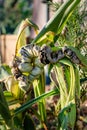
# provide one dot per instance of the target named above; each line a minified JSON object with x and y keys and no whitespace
{"x":18,"y":121}
{"x":13,"y":86}
{"x":21,"y":40}
{"x":67,"y":76}
{"x":71,"y":95}
{"x":67,"y":14}
{"x":35,"y":100}
{"x":72,"y":115}
{"x":73,"y":91}
{"x":11,"y":99}
{"x":47,"y":38}
{"x":67,"y":116}
{"x":39,"y":88}
{"x":71,"y":88}
{"x":8,"y":95}
{"x":5,"y":71}
{"x":62,"y":83}
{"x":57,"y":21}
{"x":3,"y":127}
{"x":4,"y":110}
{"x":28,"y":123}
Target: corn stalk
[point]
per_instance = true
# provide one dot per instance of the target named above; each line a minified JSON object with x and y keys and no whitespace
{"x":39,"y":89}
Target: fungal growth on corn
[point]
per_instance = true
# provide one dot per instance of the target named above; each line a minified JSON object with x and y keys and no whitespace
{"x":48,"y":56}
{"x":27,"y":67}
{"x":30,"y":63}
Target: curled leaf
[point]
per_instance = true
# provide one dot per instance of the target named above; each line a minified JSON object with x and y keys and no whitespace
{"x":21,"y":40}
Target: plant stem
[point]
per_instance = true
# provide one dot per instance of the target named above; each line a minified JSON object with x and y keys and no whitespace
{"x":39,"y":89}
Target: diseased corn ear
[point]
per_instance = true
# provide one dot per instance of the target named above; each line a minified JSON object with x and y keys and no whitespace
{"x":36,"y":71}
{"x":24,"y":82}
{"x":75,"y":55}
{"x":36,"y":50}
{"x":26,"y":52}
{"x":29,"y":49}
{"x":31,"y":78}
{"x":26,"y":59}
{"x":25,"y":67}
{"x":38,"y":63}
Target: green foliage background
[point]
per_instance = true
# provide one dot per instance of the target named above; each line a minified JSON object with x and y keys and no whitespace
{"x":12,"y":12}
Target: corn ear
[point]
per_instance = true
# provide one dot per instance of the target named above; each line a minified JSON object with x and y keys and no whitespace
{"x":36,"y":50}
{"x":82,"y":58}
{"x":25,"y":67}
{"x":36,"y":71}
{"x":24,"y":83}
{"x":38,"y":63}
{"x":25,"y":52}
{"x":29,"y":49}
{"x":31,"y":78}
{"x":26,"y":59}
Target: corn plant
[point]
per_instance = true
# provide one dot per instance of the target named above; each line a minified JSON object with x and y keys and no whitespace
{"x":27,"y":74}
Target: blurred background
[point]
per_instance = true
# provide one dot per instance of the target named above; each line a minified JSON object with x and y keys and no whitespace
{"x":12,"y":12}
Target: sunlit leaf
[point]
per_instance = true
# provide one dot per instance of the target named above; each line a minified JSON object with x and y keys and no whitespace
{"x":21,"y":40}
{"x":12,"y":101}
{"x":5,"y":71}
{"x":56,"y":23}
{"x":47,"y":38}
{"x":62,"y":83}
{"x":35,"y":100}
{"x":73,"y":78}
{"x":13,"y":86}
{"x":8,"y":95}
